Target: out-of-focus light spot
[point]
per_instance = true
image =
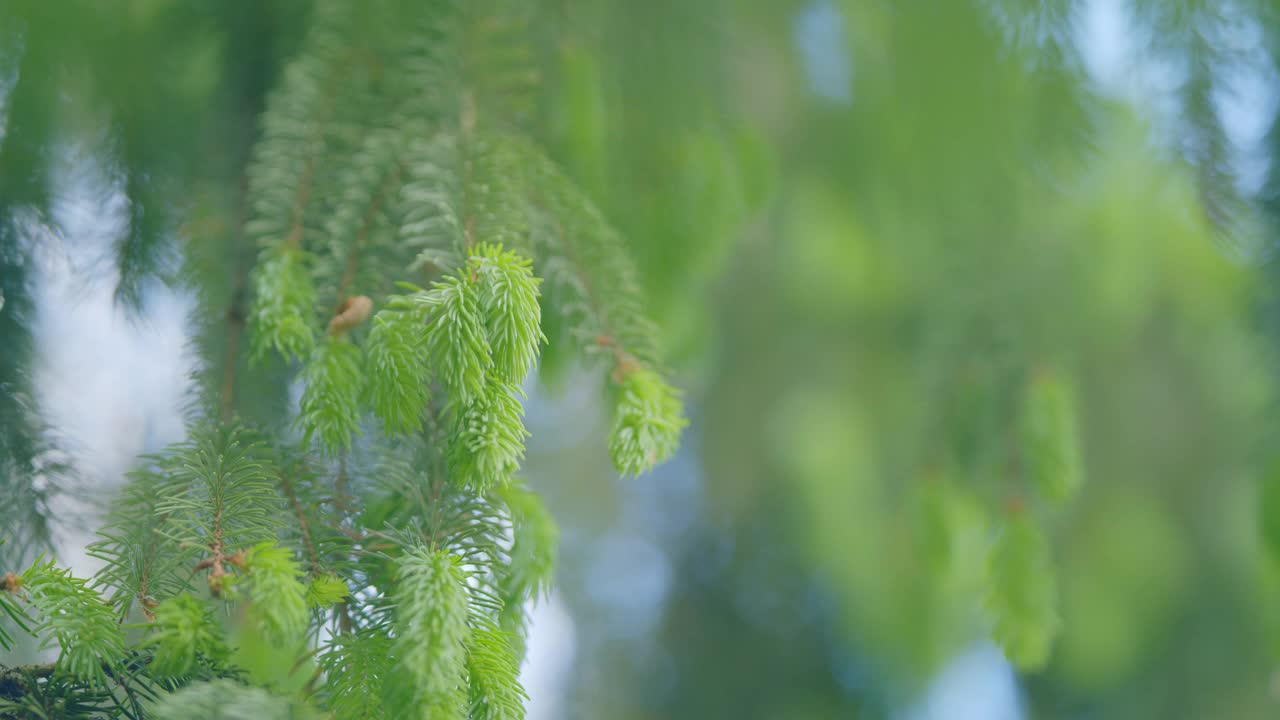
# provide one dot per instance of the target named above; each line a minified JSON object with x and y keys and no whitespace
{"x":113,"y":386}
{"x":668,"y":501}
{"x":552,"y":644}
{"x":819,"y":34}
{"x":978,"y":685}
{"x":1105,"y":42}
{"x":630,"y":575}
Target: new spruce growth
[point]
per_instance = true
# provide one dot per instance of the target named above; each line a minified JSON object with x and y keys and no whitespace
{"x":369,"y":551}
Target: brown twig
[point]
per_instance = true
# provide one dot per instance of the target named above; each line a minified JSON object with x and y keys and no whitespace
{"x":362,"y":236}
{"x":467,"y":122}
{"x":13,"y":680}
{"x":216,"y":562}
{"x":235,"y":310}
{"x":624,"y":362}
{"x":312,"y":555}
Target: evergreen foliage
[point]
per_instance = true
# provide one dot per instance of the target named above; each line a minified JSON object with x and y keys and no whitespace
{"x":184,"y":633}
{"x":368,"y":553}
{"x":492,"y":675}
{"x":431,"y":635}
{"x":397,"y":210}
{"x":226,"y":700}
{"x":1052,"y":447}
{"x":1021,"y":595}
{"x":68,"y":614}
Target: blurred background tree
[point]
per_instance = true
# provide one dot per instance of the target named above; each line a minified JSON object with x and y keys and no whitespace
{"x":973,"y":300}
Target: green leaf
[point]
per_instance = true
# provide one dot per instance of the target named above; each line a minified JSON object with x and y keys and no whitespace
{"x":489,"y":442}
{"x":184,"y":631}
{"x":330,"y":409}
{"x":512,"y":315}
{"x":397,"y":361}
{"x":1051,"y":438}
{"x":325,"y":590}
{"x":457,"y":338}
{"x":281,"y":319}
{"x":493,"y":676}
{"x":356,"y":667}
{"x":1022,"y":595}
{"x":71,"y":616}
{"x":647,"y":421}
{"x":227,"y":700}
{"x":278,"y":599}
{"x":431,"y":608}
{"x":531,"y":568}
{"x":1269,"y":508}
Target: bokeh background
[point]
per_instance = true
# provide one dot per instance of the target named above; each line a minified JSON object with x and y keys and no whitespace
{"x":863,"y":226}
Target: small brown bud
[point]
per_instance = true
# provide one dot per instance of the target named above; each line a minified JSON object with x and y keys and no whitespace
{"x":1015,"y":505}
{"x":624,"y":366}
{"x":10,"y":582}
{"x":352,"y":312}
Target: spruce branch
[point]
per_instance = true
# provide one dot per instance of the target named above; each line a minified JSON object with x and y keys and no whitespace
{"x":282,"y":178}
{"x":1022,"y":592}
{"x":399,"y":372}
{"x":457,"y":339}
{"x":429,"y":547}
{"x":493,"y":675}
{"x":313,"y":556}
{"x":579,"y":249}
{"x":1050,"y":437}
{"x":10,"y":585}
{"x":228,"y":700}
{"x":531,"y":558}
{"x":431,"y":622}
{"x":277,"y":598}
{"x":358,"y":667}
{"x":489,"y":436}
{"x":235,"y":316}
{"x":140,"y":563}
{"x":220,"y":496}
{"x":330,"y":409}
{"x":183,"y":634}
{"x":384,"y":189}
{"x":69,"y":614}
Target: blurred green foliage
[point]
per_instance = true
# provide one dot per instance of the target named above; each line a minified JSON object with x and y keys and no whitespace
{"x":965,"y":294}
{"x":969,"y":290}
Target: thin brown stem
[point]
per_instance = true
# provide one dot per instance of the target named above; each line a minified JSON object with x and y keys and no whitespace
{"x":624,"y":362}
{"x":313,"y":557}
{"x":144,"y":580}
{"x":216,"y":562}
{"x":235,"y":310}
{"x":467,"y":122}
{"x":362,"y":237}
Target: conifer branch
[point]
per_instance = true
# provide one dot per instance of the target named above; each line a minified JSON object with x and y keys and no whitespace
{"x":140,"y":562}
{"x":13,"y":680}
{"x":428,"y":545}
{"x":390,"y":183}
{"x":467,"y":126}
{"x":313,"y":557}
{"x":235,"y":313}
{"x":648,"y":412}
{"x":431,"y":620}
